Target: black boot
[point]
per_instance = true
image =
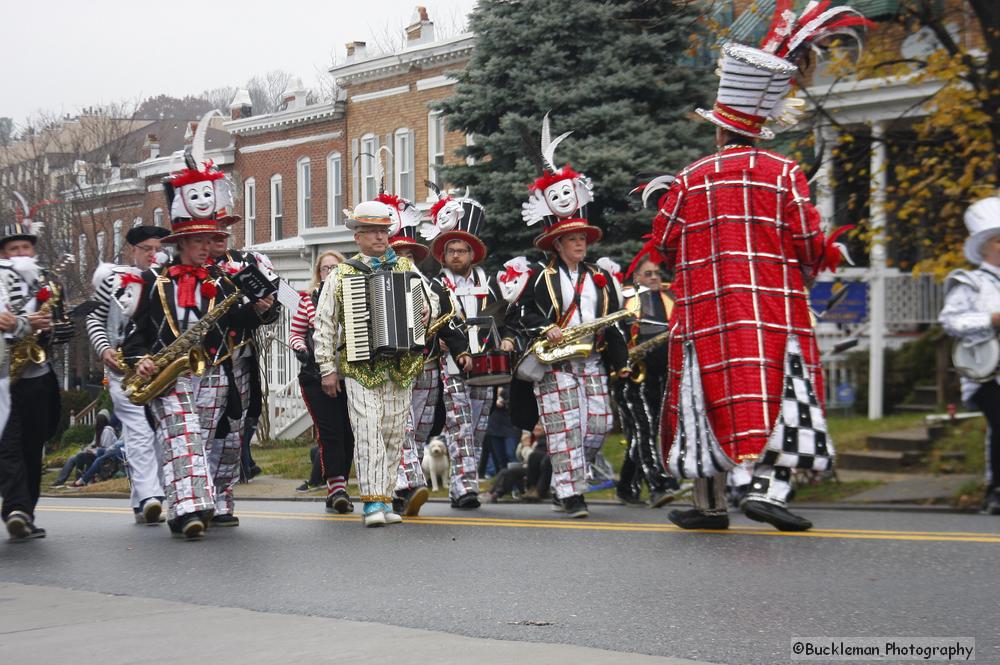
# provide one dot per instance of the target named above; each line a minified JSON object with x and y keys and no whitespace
{"x":696,"y":519}
{"x":777,"y":516}
{"x":992,"y":503}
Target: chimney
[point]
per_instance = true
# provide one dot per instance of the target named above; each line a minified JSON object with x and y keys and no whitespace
{"x":295,"y":96}
{"x":421,"y":29}
{"x":241,"y":106}
{"x":151,"y":147}
{"x":355,"y":51}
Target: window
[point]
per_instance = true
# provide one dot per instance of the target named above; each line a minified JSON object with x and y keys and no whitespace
{"x":277,"y":206}
{"x":304,"y":190}
{"x":369,"y":175}
{"x":249,"y":212}
{"x":82,"y":249}
{"x":158,"y":217}
{"x":137,"y":222}
{"x":403,"y":158}
{"x":117,"y":240}
{"x":334,"y":190}
{"x":435,"y":145}
{"x":100,"y":245}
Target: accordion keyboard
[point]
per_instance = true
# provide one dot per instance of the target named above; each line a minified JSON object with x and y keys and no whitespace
{"x":356,"y":318}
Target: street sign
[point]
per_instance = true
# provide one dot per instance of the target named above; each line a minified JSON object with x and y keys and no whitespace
{"x":845,"y":394}
{"x":853,"y":308}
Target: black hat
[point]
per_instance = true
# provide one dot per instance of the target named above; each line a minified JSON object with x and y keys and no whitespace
{"x":138,"y":234}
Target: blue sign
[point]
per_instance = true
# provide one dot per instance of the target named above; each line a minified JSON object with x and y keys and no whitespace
{"x":845,"y":394}
{"x":849,"y":308}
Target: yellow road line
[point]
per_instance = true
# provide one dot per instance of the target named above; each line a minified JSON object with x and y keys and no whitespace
{"x":633,"y":527}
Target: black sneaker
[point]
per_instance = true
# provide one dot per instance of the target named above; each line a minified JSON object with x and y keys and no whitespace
{"x":468,"y":501}
{"x":628,"y":498}
{"x":189,"y":527}
{"x":777,"y":516}
{"x":18,"y":525}
{"x":339,"y":502}
{"x":304,"y":487}
{"x":575,"y":506}
{"x":660,"y":498}
{"x":152,"y":511}
{"x":557,"y":506}
{"x":35,"y":532}
{"x":991,"y":504}
{"x":696,"y":519}
{"x":225,"y":520}
{"x":418,"y":497}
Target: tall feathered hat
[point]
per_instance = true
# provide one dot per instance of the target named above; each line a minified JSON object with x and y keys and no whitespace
{"x":454,"y":218}
{"x":25,"y":227}
{"x":559,"y":197}
{"x":754,"y":82}
{"x":199,"y":199}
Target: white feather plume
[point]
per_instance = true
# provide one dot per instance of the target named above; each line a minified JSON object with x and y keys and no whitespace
{"x":548,"y":145}
{"x":198,"y":147}
{"x":659,"y":182}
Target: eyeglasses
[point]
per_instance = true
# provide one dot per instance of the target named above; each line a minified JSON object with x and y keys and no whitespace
{"x":458,"y":251}
{"x":323,"y":269}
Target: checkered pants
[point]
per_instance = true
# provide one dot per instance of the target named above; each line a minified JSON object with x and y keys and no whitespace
{"x":186,"y":418}
{"x":467,"y":412}
{"x":426,"y":390}
{"x":142,"y":451}
{"x":378,"y":417}
{"x":575,"y":412}
{"x":224,"y":454}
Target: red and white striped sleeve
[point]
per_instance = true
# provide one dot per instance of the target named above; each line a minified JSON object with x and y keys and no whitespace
{"x":302,"y":323}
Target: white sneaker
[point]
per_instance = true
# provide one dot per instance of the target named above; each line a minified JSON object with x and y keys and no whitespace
{"x":392,"y":518}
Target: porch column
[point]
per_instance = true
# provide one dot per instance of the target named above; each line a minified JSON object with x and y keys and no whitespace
{"x":876,"y":274}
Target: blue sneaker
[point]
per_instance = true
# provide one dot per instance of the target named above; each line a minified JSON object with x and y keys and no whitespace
{"x":374,"y":513}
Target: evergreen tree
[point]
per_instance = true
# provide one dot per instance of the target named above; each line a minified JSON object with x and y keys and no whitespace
{"x":616,"y":73}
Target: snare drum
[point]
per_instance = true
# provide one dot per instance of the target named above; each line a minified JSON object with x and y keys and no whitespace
{"x":489,"y":368}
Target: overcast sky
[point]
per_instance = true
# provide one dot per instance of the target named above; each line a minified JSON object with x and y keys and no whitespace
{"x":62,"y":55}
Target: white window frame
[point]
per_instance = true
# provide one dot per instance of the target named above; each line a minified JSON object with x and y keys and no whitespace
{"x":82,"y":249}
{"x":116,"y":241}
{"x":158,"y":217}
{"x":403,"y":163}
{"x":303,"y":191}
{"x":369,"y":173}
{"x":249,"y":212}
{"x":102,"y":243}
{"x":334,"y":189}
{"x":277,"y":207}
{"x":435,"y":147}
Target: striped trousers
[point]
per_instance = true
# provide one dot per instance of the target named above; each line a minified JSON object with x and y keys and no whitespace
{"x":426,"y":390}
{"x":378,"y":417}
{"x":467,"y":412}
{"x":224,"y":453}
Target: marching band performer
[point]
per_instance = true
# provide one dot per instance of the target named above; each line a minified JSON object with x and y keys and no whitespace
{"x":179,"y":302}
{"x":116,"y":295}
{"x":572,"y":395}
{"x":411,"y":486}
{"x":335,"y":437}
{"x":640,"y":397}
{"x":971,"y":314}
{"x":378,"y":390}
{"x":743,"y":241}
{"x":225,"y":450}
{"x":37,"y":297}
{"x":456,"y":246}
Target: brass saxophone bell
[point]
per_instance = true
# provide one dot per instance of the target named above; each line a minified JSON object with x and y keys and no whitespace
{"x":197,"y":361}
{"x":37,"y":354}
{"x":638,"y":372}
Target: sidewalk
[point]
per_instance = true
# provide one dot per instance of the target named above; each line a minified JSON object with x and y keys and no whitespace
{"x":44,"y":625}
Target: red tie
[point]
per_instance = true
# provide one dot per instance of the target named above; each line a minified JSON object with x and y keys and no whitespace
{"x":188,"y":277}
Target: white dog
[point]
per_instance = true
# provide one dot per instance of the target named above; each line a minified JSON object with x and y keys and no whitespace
{"x":436,"y":463}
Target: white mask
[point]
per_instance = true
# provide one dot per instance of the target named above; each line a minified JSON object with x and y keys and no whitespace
{"x":561,"y":198}
{"x":198,"y":199}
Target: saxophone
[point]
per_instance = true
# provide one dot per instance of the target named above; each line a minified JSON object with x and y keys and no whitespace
{"x":639,"y":351}
{"x":577,"y":342}
{"x":27,"y":349}
{"x":183,"y":354}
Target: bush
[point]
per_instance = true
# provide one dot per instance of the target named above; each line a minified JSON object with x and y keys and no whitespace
{"x":72,"y":400}
{"x":77,"y":435}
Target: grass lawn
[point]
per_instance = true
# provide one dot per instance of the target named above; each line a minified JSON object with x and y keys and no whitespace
{"x":851,"y":432}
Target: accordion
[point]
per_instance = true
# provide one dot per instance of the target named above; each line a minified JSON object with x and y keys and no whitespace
{"x":382,"y":314}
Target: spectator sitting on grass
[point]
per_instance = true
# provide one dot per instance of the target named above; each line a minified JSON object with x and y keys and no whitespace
{"x":105,"y":466}
{"x":104,"y":438}
{"x":529,"y":479}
